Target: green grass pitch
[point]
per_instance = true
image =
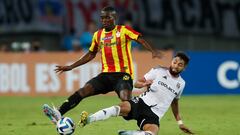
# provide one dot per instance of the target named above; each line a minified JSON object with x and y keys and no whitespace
{"x":205,"y":115}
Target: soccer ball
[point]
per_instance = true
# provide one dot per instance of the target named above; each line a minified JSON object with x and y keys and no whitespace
{"x":65,"y":126}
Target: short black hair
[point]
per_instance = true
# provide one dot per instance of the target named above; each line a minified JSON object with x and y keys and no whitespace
{"x":183,"y":56}
{"x":109,"y":9}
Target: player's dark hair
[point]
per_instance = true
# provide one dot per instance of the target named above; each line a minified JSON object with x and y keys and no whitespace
{"x":109,"y":9}
{"x":183,"y":56}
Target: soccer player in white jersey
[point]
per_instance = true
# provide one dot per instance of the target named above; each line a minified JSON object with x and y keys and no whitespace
{"x":165,"y":86}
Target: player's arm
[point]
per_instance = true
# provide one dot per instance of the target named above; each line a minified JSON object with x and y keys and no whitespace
{"x":136,"y":36}
{"x":175,"y":110}
{"x":84,"y":59}
{"x":155,"y":52}
{"x":146,"y":80}
{"x":91,"y":54}
{"x":142,"y":82}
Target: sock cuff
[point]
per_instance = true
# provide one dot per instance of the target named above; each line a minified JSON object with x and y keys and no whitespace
{"x":150,"y":133}
{"x":117,"y":110}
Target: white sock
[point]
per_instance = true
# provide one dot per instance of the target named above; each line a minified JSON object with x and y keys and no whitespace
{"x":136,"y":132}
{"x":143,"y":133}
{"x":105,"y":114}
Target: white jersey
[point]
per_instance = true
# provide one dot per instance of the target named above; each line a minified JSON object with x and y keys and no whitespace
{"x":162,"y":91}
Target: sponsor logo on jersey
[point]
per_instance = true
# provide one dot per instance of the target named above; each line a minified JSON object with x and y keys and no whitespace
{"x":167,"y":87}
{"x":102,"y":44}
{"x":107,"y":38}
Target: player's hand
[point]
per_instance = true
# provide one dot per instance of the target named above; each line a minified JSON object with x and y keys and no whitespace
{"x":157,"y":54}
{"x":185,"y":129}
{"x":147,"y":83}
{"x":60,"y":69}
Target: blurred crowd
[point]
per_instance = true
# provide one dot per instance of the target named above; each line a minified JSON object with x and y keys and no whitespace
{"x":70,"y":42}
{"x":81,"y":42}
{"x":33,"y":46}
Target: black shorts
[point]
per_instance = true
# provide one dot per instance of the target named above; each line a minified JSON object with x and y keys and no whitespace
{"x":142,"y":113}
{"x":107,"y":82}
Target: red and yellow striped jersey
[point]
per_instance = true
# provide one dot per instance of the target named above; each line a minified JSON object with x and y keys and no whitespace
{"x":115,"y":47}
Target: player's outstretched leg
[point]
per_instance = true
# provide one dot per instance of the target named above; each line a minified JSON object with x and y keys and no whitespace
{"x":84,"y":119}
{"x":99,"y":115}
{"x":52,"y":113}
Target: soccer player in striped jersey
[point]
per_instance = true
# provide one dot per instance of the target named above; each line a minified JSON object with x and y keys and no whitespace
{"x":165,"y":86}
{"x":114,"y":43}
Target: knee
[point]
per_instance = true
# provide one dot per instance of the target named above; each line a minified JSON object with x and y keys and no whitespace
{"x":125,"y":95}
{"x":125,"y":108}
{"x":86,"y":91}
{"x":151,"y":128}
{"x":124,"y":98}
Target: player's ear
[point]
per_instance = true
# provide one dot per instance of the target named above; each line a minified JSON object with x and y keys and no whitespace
{"x":184,"y":68}
{"x":114,"y":15}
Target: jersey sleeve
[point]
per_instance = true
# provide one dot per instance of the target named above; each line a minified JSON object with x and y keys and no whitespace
{"x":181,"y":91}
{"x":94,"y":44}
{"x":132,"y":34}
{"x":151,"y":75}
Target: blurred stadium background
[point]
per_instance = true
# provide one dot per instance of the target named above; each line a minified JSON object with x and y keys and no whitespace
{"x":35,"y":35}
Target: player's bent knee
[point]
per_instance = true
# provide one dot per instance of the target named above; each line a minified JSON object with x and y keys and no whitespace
{"x":153,"y":128}
{"x":86,"y":91}
{"x":125,"y":108}
{"x":124,"y":98}
{"x":125,"y":95}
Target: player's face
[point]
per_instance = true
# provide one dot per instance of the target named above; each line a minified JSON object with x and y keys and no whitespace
{"x":108,"y":20}
{"x":177,"y":66}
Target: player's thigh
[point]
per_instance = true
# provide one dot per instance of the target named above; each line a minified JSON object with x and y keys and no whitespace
{"x":124,"y":82}
{"x":86,"y":91}
{"x":133,"y":105}
{"x":146,"y":115}
{"x":124,"y":87}
{"x":99,"y":85}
